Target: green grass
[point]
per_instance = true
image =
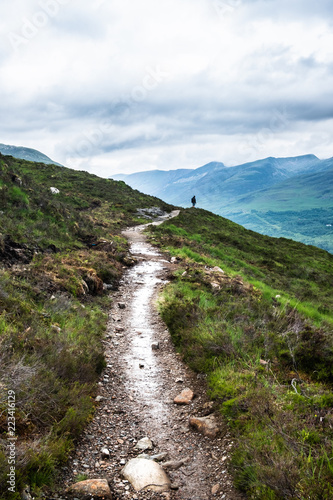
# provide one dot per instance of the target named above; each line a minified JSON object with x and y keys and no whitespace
{"x":256,"y":330}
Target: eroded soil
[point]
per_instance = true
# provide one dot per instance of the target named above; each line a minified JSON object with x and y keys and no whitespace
{"x":138,"y":388}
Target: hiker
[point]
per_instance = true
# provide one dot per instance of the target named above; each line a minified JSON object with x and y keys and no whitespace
{"x":193,"y":201}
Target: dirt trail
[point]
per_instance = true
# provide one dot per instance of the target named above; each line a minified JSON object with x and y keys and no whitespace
{"x":137,"y":391}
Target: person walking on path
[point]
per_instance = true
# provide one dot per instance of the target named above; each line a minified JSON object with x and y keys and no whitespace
{"x":193,"y":201}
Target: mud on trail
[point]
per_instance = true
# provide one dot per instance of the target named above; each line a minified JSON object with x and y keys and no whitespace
{"x":137,"y":391}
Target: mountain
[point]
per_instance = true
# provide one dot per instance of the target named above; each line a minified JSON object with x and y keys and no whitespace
{"x":216,"y":185}
{"x":246,"y":193}
{"x":300,"y":208}
{"x":313,"y":190}
{"x":26,"y":154}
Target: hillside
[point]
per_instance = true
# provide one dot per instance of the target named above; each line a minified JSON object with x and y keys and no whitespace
{"x":300,"y":208}
{"x":313,"y":191}
{"x":59,"y":256}
{"x":24,"y":153}
{"x":257,"y":195}
{"x":253,"y":314}
{"x":250,"y":313}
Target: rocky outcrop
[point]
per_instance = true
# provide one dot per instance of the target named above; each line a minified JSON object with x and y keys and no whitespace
{"x":93,"y":283}
{"x":14,"y":253}
{"x":150,"y":213}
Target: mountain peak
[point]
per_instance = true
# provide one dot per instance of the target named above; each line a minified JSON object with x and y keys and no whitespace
{"x":28,"y":154}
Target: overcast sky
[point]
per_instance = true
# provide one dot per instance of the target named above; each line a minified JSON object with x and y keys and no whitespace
{"x":117,"y":86}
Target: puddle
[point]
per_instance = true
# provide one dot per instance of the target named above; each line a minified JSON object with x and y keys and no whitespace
{"x":142,"y":249}
{"x":142,"y":365}
{"x":142,"y":368}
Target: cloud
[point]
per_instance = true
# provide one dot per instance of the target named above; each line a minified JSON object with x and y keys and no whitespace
{"x":126,"y":85}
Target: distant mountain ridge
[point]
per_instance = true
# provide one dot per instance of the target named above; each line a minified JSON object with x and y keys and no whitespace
{"x":217,"y":185}
{"x":24,"y":153}
{"x":296,"y":184}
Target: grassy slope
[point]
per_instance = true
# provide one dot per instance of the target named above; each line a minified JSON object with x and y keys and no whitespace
{"x":55,"y":253}
{"x":256,"y":329}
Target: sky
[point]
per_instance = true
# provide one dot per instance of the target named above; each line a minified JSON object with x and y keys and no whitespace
{"x":119,"y":86}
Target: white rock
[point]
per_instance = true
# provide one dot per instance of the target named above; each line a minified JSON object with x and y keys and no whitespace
{"x":105,"y":453}
{"x":146,"y":474}
{"x":144,"y":444}
{"x":54,"y":190}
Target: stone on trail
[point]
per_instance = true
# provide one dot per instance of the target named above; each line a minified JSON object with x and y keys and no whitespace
{"x":144,"y":444}
{"x":146,"y":474}
{"x":157,"y":458}
{"x":185,"y":397}
{"x":175,"y":464}
{"x":98,"y":489}
{"x":121,"y":305}
{"x":155,"y":346}
{"x":105,"y":453}
{"x":215,"y":489}
{"x":160,"y":456}
{"x":207,"y":426}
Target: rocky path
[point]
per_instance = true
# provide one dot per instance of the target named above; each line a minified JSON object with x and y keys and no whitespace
{"x":136,"y":398}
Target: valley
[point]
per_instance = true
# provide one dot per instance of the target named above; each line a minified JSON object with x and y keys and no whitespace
{"x":281,"y":197}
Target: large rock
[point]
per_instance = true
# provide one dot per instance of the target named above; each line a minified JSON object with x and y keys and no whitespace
{"x":185,"y":397}
{"x":207,"y":426}
{"x":146,"y":474}
{"x":98,"y":489}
